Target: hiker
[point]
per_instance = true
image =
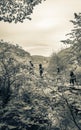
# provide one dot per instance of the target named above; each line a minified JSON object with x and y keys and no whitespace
{"x":41,"y":69}
{"x":72,"y":78}
{"x":58,"y":70}
{"x":58,"y":74}
{"x":31,"y":67}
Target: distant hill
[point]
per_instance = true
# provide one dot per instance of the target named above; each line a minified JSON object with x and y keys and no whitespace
{"x":21,"y":55}
{"x":40,"y":60}
{"x":17,"y":52}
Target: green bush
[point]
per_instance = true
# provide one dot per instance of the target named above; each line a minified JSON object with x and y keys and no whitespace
{"x":78,"y":74}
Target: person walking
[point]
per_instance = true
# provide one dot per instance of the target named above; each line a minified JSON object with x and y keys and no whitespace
{"x":31,"y":67}
{"x":72,"y":78}
{"x":41,"y":69}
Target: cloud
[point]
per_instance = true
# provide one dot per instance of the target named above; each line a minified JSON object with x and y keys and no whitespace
{"x":49,"y":24}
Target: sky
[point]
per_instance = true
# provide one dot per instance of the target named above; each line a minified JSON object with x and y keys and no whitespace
{"x":42,"y":35}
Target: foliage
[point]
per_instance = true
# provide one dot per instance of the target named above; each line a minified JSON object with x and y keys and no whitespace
{"x":37,"y":103}
{"x":78,"y":74}
{"x":75,"y":37}
{"x":22,"y":110}
{"x":8,"y":70}
{"x":17,"y":10}
{"x":10,"y":67}
{"x":55,"y":62}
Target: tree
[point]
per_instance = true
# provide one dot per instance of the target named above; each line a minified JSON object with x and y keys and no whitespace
{"x":75,"y":37}
{"x":9,"y":68}
{"x":55,"y":62}
{"x":17,"y":10}
{"x":74,"y":41}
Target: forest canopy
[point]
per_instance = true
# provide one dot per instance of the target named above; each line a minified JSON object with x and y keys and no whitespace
{"x":17,"y":10}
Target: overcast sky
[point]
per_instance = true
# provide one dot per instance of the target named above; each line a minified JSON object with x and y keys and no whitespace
{"x":49,"y":24}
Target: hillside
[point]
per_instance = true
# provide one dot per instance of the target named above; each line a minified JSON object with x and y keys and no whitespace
{"x":15,"y":50}
{"x":40,"y":59}
{"x":29,"y":102}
